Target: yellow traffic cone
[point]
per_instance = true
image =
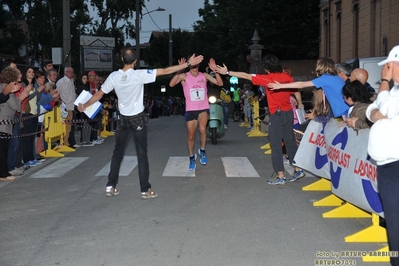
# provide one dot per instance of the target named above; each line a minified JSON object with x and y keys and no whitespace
{"x":268,"y":152}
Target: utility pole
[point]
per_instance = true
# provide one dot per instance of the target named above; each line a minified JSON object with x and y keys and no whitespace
{"x":66,"y":28}
{"x":170,"y":41}
{"x":137,"y":26}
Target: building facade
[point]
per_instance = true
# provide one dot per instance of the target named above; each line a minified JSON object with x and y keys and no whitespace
{"x":358,"y":28}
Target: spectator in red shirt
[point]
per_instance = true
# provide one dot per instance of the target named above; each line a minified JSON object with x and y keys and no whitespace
{"x":92,"y":81}
{"x":281,"y":116}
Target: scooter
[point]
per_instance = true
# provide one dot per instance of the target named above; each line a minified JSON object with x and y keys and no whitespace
{"x":215,"y":128}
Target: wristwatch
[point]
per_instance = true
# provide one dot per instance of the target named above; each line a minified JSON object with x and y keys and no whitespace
{"x":227,"y":72}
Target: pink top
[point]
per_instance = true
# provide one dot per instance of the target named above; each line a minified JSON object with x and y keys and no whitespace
{"x":195,"y":92}
{"x":296,"y":121}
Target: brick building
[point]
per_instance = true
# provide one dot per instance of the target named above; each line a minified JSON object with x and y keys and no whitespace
{"x":358,"y":28}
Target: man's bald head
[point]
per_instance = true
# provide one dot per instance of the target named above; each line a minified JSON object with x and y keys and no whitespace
{"x":359,"y":74}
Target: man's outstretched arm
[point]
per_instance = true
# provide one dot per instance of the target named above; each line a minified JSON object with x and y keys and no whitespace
{"x":194,"y":60}
{"x":224,"y":71}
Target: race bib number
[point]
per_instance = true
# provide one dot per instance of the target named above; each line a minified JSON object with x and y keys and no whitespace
{"x":197,"y":94}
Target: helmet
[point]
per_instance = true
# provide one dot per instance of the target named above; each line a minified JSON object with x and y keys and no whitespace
{"x":233,"y":80}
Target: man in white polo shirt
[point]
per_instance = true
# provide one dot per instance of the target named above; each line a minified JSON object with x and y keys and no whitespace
{"x":66,"y":87}
{"x":383,"y":146}
{"x":129,"y":87}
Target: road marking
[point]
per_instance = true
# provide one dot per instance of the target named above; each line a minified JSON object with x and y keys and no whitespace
{"x":238,"y":167}
{"x":59,"y":168}
{"x":127,"y":166}
{"x":178,"y":166}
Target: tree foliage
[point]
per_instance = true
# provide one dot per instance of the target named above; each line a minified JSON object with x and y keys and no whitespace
{"x":44,"y":21}
{"x":11,"y":13}
{"x":115,"y":18}
{"x":289,"y":29}
{"x":157,"y":55}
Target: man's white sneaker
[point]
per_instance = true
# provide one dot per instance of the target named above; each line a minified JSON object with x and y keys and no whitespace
{"x":149,"y":194}
{"x":16,"y":172}
{"x":111,"y":191}
{"x":98,"y":141}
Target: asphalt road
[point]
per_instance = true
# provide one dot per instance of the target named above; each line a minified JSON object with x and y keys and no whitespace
{"x":56,"y":214}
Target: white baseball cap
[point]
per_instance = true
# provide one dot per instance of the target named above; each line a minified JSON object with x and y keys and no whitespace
{"x":392,"y":57}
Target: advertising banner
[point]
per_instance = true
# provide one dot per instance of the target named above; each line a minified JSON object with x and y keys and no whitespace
{"x":97,"y":59}
{"x":340,"y":155}
{"x":97,"y":53}
{"x":312,"y":153}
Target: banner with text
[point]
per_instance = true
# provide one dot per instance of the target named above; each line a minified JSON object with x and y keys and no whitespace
{"x":340,"y":155}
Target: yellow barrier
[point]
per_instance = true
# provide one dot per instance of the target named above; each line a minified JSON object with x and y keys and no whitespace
{"x":320,"y":185}
{"x":373,"y":233}
{"x":378,"y":256}
{"x":104,"y":132}
{"x":347,"y":210}
{"x":266,"y":147}
{"x":329,"y":201}
{"x":255,"y":132}
{"x":55,"y":131}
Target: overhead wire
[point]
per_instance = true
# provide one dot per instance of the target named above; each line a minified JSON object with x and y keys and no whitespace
{"x":152,"y":18}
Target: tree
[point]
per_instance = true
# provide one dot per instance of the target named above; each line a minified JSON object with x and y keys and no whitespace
{"x":11,"y":13}
{"x":44,"y":21}
{"x":45,"y":28}
{"x":157,"y":55}
{"x":288,"y":29}
{"x":80,"y":23}
{"x":115,"y":19}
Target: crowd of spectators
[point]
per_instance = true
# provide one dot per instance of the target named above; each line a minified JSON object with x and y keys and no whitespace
{"x":163,"y":106}
{"x":27,"y":94}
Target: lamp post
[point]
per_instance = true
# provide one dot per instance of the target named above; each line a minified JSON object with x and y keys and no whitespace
{"x":137,"y":25}
{"x":170,"y":40}
{"x":66,"y":33}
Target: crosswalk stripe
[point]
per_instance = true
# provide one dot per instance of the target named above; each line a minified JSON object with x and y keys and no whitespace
{"x":238,"y":167}
{"x":178,"y":166}
{"x":127,"y":166}
{"x":59,"y":168}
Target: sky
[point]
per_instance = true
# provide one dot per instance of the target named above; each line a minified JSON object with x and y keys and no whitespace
{"x":184,"y":14}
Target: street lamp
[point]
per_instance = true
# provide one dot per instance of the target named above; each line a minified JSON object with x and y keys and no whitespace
{"x":138,"y":29}
{"x":66,"y":32}
{"x":158,"y":9}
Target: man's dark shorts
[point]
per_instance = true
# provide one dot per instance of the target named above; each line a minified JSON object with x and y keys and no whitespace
{"x":193,"y":115}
